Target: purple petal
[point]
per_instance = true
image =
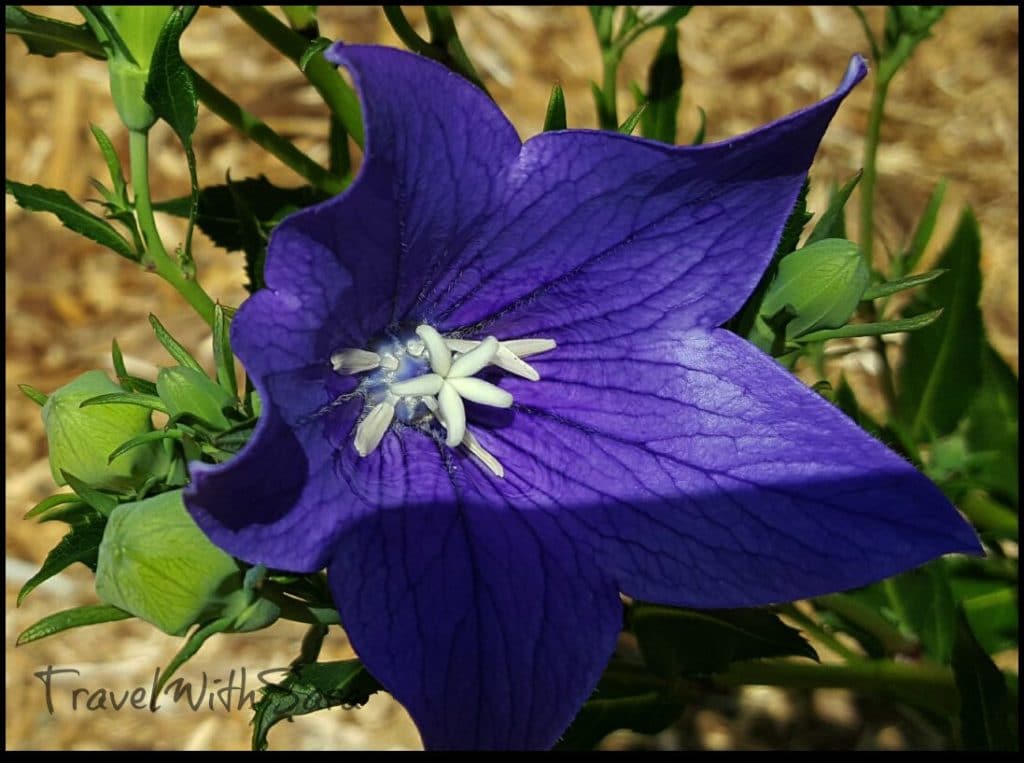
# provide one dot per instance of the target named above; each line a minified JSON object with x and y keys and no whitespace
{"x":489,"y":625}
{"x":703,"y":474}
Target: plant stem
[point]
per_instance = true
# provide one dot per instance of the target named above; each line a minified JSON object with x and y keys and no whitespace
{"x":867,"y":183}
{"x":338,"y":96}
{"x":165,"y":267}
{"x":986,"y":514}
{"x":867,"y":618}
{"x":816,"y":630}
{"x":609,"y":112}
{"x":919,"y":683}
{"x":262,"y":135}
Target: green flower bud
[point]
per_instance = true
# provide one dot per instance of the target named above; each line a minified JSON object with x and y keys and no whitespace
{"x":156,"y":563}
{"x":821,"y":283}
{"x":81,"y":439}
{"x":186,"y":391}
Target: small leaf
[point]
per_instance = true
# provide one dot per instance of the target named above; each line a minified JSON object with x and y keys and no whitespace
{"x":627,"y":127}
{"x":112,"y":160}
{"x":48,"y":503}
{"x":942,"y":366}
{"x":91,"y":614}
{"x":47,"y":37}
{"x":664,"y":90}
{"x":686,"y":641}
{"x":874,"y":329}
{"x":152,"y":402}
{"x":993,"y":618}
{"x":891,"y":287}
{"x":187,"y":652}
{"x":142,"y":439}
{"x":308,"y":688}
{"x":73,"y":215}
{"x":187,"y":392}
{"x":985,"y":711}
{"x":554,"y":118}
{"x":33,"y":394}
{"x":670,"y":17}
{"x":925,"y":228}
{"x":173,"y":346}
{"x":317,"y":46}
{"x":831,"y":224}
{"x":923,"y":601}
{"x":81,"y":544}
{"x":991,"y":430}
{"x":223,"y":358}
{"x":104,"y":503}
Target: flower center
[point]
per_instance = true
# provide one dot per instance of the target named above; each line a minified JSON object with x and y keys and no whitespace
{"x":423,"y":379}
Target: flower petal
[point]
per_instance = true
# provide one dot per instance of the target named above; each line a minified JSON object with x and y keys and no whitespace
{"x":596,"y":226}
{"x":489,"y":626}
{"x":703,"y":474}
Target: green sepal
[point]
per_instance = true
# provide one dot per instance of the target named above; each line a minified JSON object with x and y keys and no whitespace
{"x":90,"y":614}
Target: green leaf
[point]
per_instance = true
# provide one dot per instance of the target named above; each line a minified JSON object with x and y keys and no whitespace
{"x":686,"y":641}
{"x":73,"y":215}
{"x":832,"y":222}
{"x":151,"y":402}
{"x":48,"y":503}
{"x":317,"y":46}
{"x":309,"y":688}
{"x":670,"y":17}
{"x":90,"y":614}
{"x":901,"y":284}
{"x":923,"y":602}
{"x":157,"y":564}
{"x":554,"y":118}
{"x":142,"y":439}
{"x":993,"y":617}
{"x":112,"y":160}
{"x":664,"y":90}
{"x":874,"y":329}
{"x":254,"y":239}
{"x":33,"y":394}
{"x":187,"y":652}
{"x":218,"y":212}
{"x":625,"y":698}
{"x":627,"y":127}
{"x":985,"y":710}
{"x":47,"y":37}
{"x":173,"y":346}
{"x":942,"y":365}
{"x":991,"y":430}
{"x":81,"y":544}
{"x":925,"y":228}
{"x":104,"y":503}
{"x":223,"y":358}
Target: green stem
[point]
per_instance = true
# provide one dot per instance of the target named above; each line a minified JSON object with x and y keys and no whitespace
{"x":445,"y":37}
{"x":817,"y":631}
{"x":165,"y":267}
{"x":338,"y":96}
{"x":867,"y":618}
{"x":262,"y":135}
{"x":609,"y":112}
{"x":986,"y":514}
{"x":867,"y":183}
{"x":918,"y":683}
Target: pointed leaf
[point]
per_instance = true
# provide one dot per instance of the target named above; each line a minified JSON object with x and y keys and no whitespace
{"x":81,"y":544}
{"x":48,"y":503}
{"x":554,"y":119}
{"x":308,"y":688}
{"x":925,"y":228}
{"x":91,"y":614}
{"x":698,"y":136}
{"x":923,"y":601}
{"x":151,"y":402}
{"x":223,"y":358}
{"x":33,"y":394}
{"x":874,"y":329}
{"x":112,"y":160}
{"x":832,"y":222}
{"x":627,"y":127}
{"x":173,"y":346}
{"x":901,"y":284}
{"x":664,"y":90}
{"x":985,"y":712}
{"x":992,"y":428}
{"x":104,"y":503}
{"x":47,"y":37}
{"x":686,"y":641}
{"x":73,"y":215}
{"x":942,"y":364}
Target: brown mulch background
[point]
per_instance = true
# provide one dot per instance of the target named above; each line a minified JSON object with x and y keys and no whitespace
{"x":952,"y":114}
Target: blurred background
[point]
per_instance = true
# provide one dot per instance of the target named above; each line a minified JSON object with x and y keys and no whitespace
{"x":952,"y":113}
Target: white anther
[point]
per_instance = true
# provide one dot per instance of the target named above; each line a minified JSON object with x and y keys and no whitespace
{"x":389,"y":363}
{"x":453,"y":413}
{"x":440,"y":355}
{"x":480,"y":391}
{"x":524,"y":348}
{"x":476,"y":449}
{"x":372,"y":428}
{"x":474,"y":360}
{"x":509,"y":361}
{"x":415,"y":347}
{"x":353,"y":361}
{"x":428,"y":384}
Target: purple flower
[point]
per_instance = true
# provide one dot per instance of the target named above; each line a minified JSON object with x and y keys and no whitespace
{"x":495,"y":397}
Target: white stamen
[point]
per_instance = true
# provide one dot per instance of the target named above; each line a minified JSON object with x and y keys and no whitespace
{"x":480,"y":391}
{"x":509,"y":361}
{"x":453,"y":413}
{"x":461,"y":345}
{"x":428,"y":384}
{"x":415,"y":347}
{"x":372,"y":428}
{"x":476,"y":449}
{"x":389,"y":363}
{"x":524,"y":348}
{"x":353,"y":361}
{"x":474,"y":360}
{"x":440,"y":355}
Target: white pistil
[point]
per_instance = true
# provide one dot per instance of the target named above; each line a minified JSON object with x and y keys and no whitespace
{"x":354,"y":361}
{"x":428,"y":384}
{"x":371,"y":429}
{"x":440,"y":355}
{"x":482,"y":454}
{"x":453,"y":413}
{"x":480,"y":391}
